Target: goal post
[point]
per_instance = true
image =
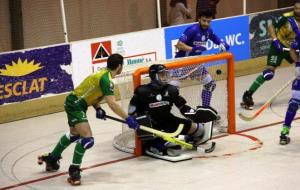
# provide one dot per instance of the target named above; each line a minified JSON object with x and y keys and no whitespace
{"x":177,"y":63}
{"x":189,"y":74}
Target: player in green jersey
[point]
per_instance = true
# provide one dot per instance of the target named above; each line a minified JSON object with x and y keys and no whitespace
{"x":90,"y":92}
{"x":282,"y":32}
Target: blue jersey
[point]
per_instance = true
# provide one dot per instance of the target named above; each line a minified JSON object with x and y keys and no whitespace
{"x":196,"y":36}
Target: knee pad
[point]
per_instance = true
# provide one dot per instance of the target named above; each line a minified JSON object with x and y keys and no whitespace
{"x":211,"y":86}
{"x":268,"y":74}
{"x":296,"y":85}
{"x":72,"y":138}
{"x":293,"y":105}
{"x":87,"y":142}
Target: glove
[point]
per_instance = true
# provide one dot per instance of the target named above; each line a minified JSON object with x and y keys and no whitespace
{"x":100,"y":113}
{"x":277,"y":45}
{"x":197,"y":50}
{"x":132,"y":123}
{"x":223,"y":47}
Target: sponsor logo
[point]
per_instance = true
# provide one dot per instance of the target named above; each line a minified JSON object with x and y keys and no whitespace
{"x":159,"y":104}
{"x":100,"y":51}
{"x":21,"y":87}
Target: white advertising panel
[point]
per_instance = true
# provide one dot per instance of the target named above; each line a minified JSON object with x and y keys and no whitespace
{"x":137,"y":48}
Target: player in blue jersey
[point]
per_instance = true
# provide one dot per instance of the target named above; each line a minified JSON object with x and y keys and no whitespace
{"x":193,"y":42}
{"x":294,"y":102}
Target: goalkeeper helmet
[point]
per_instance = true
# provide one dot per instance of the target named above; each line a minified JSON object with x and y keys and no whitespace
{"x":159,"y":74}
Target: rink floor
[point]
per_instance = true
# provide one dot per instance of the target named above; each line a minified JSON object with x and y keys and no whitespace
{"x":250,"y":159}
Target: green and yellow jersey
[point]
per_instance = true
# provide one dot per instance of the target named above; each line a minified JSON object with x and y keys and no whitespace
{"x":285,"y":33}
{"x":93,"y":88}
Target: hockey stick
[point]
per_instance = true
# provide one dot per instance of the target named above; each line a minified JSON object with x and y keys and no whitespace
{"x":263,"y":107}
{"x":288,"y":49}
{"x":170,"y":137}
{"x":190,"y":146}
{"x":151,"y":130}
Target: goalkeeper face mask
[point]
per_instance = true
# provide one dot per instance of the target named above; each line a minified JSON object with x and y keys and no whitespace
{"x":163,"y":77}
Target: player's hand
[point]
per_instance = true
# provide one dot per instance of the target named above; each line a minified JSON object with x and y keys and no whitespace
{"x":132,"y":123}
{"x":100,"y":113}
{"x":277,"y":45}
{"x":198,"y":49}
{"x":223,"y":47}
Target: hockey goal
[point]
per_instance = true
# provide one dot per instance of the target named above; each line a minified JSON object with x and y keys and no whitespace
{"x":189,"y":73}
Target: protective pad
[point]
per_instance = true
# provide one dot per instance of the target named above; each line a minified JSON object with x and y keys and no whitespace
{"x":168,"y":158}
{"x":208,"y":131}
{"x":268,"y":74}
{"x":202,"y":114}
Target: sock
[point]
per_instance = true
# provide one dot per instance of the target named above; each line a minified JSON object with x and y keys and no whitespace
{"x":206,"y":97}
{"x":78,"y":154}
{"x":63,"y":143}
{"x":291,"y":112}
{"x":257,"y":83}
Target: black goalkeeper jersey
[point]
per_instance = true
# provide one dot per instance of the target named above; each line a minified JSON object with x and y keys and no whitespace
{"x":156,"y":102}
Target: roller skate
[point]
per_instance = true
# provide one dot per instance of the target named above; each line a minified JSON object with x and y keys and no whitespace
{"x":284,"y":139}
{"x":247,"y":101}
{"x":52,"y":162}
{"x":74,"y":175}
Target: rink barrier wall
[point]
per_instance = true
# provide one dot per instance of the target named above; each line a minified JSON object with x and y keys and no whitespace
{"x":153,"y":45}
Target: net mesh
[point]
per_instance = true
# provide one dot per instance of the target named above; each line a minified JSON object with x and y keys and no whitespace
{"x":190,"y":80}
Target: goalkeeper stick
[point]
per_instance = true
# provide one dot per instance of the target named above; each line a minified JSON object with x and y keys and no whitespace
{"x":154,"y":131}
{"x":263,"y":107}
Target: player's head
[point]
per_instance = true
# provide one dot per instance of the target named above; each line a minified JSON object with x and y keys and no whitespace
{"x":204,"y":18}
{"x":297,"y":8}
{"x":115,"y":63}
{"x":159,"y":74}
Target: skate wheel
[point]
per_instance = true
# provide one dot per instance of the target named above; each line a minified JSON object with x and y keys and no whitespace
{"x":246,"y":107}
{"x":40,"y":160}
{"x":73,"y":182}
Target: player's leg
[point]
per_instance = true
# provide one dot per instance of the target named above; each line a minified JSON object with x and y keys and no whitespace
{"x":209,"y":86}
{"x":290,"y":113}
{"x":86,"y":142}
{"x":274,"y":60}
{"x":75,"y":114}
{"x":52,"y":159}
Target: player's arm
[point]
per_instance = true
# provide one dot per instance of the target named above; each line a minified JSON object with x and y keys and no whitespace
{"x":216,"y":40}
{"x":294,"y":46}
{"x":183,"y":47}
{"x":184,"y":38}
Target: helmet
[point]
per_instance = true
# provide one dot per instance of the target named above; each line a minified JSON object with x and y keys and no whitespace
{"x":155,"y":73}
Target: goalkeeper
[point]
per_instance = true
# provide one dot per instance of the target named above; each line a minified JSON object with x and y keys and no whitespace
{"x":193,"y":42}
{"x":91,"y":91}
{"x":156,"y":100}
{"x":286,"y":27}
{"x":294,"y":102}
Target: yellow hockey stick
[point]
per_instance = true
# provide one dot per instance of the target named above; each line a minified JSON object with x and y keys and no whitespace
{"x":154,"y":131}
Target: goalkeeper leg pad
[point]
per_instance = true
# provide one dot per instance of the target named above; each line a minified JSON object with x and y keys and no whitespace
{"x":202,"y":114}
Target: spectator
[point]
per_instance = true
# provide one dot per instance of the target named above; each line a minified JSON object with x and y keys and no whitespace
{"x":203,"y":5}
{"x":180,"y":11}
